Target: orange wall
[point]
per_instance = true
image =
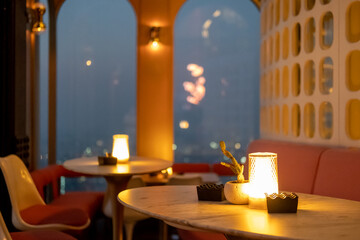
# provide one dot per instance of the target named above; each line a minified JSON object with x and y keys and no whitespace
{"x":155,"y":78}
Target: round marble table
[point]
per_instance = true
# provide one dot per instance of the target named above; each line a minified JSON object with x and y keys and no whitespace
{"x":117,"y":178}
{"x":318,"y":217}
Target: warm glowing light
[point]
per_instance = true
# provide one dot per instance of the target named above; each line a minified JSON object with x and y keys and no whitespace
{"x":154,"y":44}
{"x":122,"y":168}
{"x":88,"y":63}
{"x":197,"y":90}
{"x":184,"y":124}
{"x":201,"y":80}
{"x":205,"y":33}
{"x":195,"y":70}
{"x":38,"y":12}
{"x":207,"y":24}
{"x":154,"y":37}
{"x":169,"y":171}
{"x":121,"y":147}
{"x":237,"y":145}
{"x":217,"y":13}
{"x":263,"y":178}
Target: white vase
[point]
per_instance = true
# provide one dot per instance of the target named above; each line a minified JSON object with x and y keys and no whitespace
{"x":237,"y":193}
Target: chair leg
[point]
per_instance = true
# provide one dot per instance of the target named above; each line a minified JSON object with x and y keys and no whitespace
{"x":129,"y":229}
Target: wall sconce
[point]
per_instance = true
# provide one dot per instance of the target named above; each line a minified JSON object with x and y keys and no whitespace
{"x":154,"y":37}
{"x":263,"y":178}
{"x":35,"y":15}
{"x":121,"y":148}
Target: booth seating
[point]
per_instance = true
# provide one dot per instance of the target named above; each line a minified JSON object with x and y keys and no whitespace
{"x":338,"y":174}
{"x":322,"y":170}
{"x":49,"y":178}
{"x":297,"y":163}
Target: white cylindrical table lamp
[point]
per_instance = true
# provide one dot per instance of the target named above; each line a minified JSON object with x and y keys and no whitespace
{"x":121,"y":148}
{"x":263,"y":178}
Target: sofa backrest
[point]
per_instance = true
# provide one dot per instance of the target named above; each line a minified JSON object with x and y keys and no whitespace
{"x":297,"y":163}
{"x":338,"y":174}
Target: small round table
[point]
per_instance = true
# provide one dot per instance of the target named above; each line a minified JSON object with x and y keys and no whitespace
{"x":117,"y":177}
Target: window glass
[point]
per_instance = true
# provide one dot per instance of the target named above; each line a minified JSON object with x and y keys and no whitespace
{"x":216,"y":79}
{"x":326,"y":120}
{"x":326,"y":75}
{"x":43,"y":91}
{"x":327,"y":30}
{"x":96,"y":78}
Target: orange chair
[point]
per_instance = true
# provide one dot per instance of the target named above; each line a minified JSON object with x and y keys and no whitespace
{"x":29,"y":210}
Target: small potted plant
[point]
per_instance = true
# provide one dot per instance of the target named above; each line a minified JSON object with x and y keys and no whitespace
{"x":235,"y":191}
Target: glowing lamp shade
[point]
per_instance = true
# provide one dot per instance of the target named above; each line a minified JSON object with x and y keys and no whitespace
{"x":121,"y":147}
{"x":263,"y":178}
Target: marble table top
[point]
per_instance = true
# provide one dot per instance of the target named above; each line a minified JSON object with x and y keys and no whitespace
{"x":136,"y":165}
{"x":318,"y":217}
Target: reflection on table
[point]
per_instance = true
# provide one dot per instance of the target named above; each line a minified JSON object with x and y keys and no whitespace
{"x":117,"y":178}
{"x":318,"y":217}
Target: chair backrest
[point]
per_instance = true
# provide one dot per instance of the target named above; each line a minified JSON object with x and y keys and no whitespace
{"x":4,"y":233}
{"x":22,"y":190}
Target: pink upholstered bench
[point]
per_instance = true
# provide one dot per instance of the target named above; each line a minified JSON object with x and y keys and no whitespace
{"x":297,"y":163}
{"x":338,"y":174}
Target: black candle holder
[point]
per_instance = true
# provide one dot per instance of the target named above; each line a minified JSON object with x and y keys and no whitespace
{"x":282,"y":202}
{"x":210,"y":192}
{"x":107,"y":160}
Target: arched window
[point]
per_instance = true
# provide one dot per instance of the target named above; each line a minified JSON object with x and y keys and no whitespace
{"x":216,"y":79}
{"x":96,"y":77}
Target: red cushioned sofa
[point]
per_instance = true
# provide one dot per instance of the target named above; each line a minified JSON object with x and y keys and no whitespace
{"x":88,"y":201}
